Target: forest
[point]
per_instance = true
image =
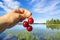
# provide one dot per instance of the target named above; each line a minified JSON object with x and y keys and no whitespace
{"x":53,"y":21}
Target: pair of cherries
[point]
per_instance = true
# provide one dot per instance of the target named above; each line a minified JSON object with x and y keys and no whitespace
{"x":26,"y":24}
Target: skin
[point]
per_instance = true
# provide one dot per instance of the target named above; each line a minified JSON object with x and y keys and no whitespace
{"x":13,"y":17}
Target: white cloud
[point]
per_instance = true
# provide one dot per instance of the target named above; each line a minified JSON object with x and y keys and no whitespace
{"x":46,"y":8}
{"x":1,"y":4}
{"x":32,"y":1}
{"x":8,"y":5}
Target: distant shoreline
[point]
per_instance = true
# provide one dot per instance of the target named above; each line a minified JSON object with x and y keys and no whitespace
{"x":36,"y":23}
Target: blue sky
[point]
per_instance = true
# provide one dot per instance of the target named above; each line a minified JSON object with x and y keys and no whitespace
{"x":42,"y":10}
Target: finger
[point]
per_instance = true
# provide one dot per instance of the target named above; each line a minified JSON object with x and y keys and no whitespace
{"x":27,"y":13}
{"x":23,"y":12}
{"x":19,"y":10}
{"x":16,"y":10}
{"x":21,"y":18}
{"x":30,"y":15}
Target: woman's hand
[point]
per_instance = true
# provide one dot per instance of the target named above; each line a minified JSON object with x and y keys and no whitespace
{"x":15,"y":16}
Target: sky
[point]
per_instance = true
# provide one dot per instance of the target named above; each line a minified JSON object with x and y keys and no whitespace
{"x":42,"y":10}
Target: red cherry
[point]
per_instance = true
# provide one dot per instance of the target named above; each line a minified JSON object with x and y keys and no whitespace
{"x":30,"y":20}
{"x":29,"y":28}
{"x":25,"y":24}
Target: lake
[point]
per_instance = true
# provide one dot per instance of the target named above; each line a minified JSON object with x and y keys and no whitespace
{"x":40,"y":32}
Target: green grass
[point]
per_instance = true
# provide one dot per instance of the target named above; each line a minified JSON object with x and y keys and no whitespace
{"x":22,"y":35}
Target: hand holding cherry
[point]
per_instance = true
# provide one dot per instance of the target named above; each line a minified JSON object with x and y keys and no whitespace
{"x":13,"y":17}
{"x":26,"y":24}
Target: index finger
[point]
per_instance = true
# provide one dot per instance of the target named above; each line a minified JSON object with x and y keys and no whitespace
{"x":18,"y":10}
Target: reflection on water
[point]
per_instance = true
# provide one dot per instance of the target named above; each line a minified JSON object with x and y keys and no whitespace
{"x":40,"y":32}
{"x":53,"y":26}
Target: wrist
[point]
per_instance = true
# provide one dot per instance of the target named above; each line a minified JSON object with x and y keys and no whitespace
{"x":3,"y":23}
{"x":5,"y":19}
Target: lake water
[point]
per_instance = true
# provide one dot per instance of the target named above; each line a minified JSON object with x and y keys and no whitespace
{"x":43,"y":31}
